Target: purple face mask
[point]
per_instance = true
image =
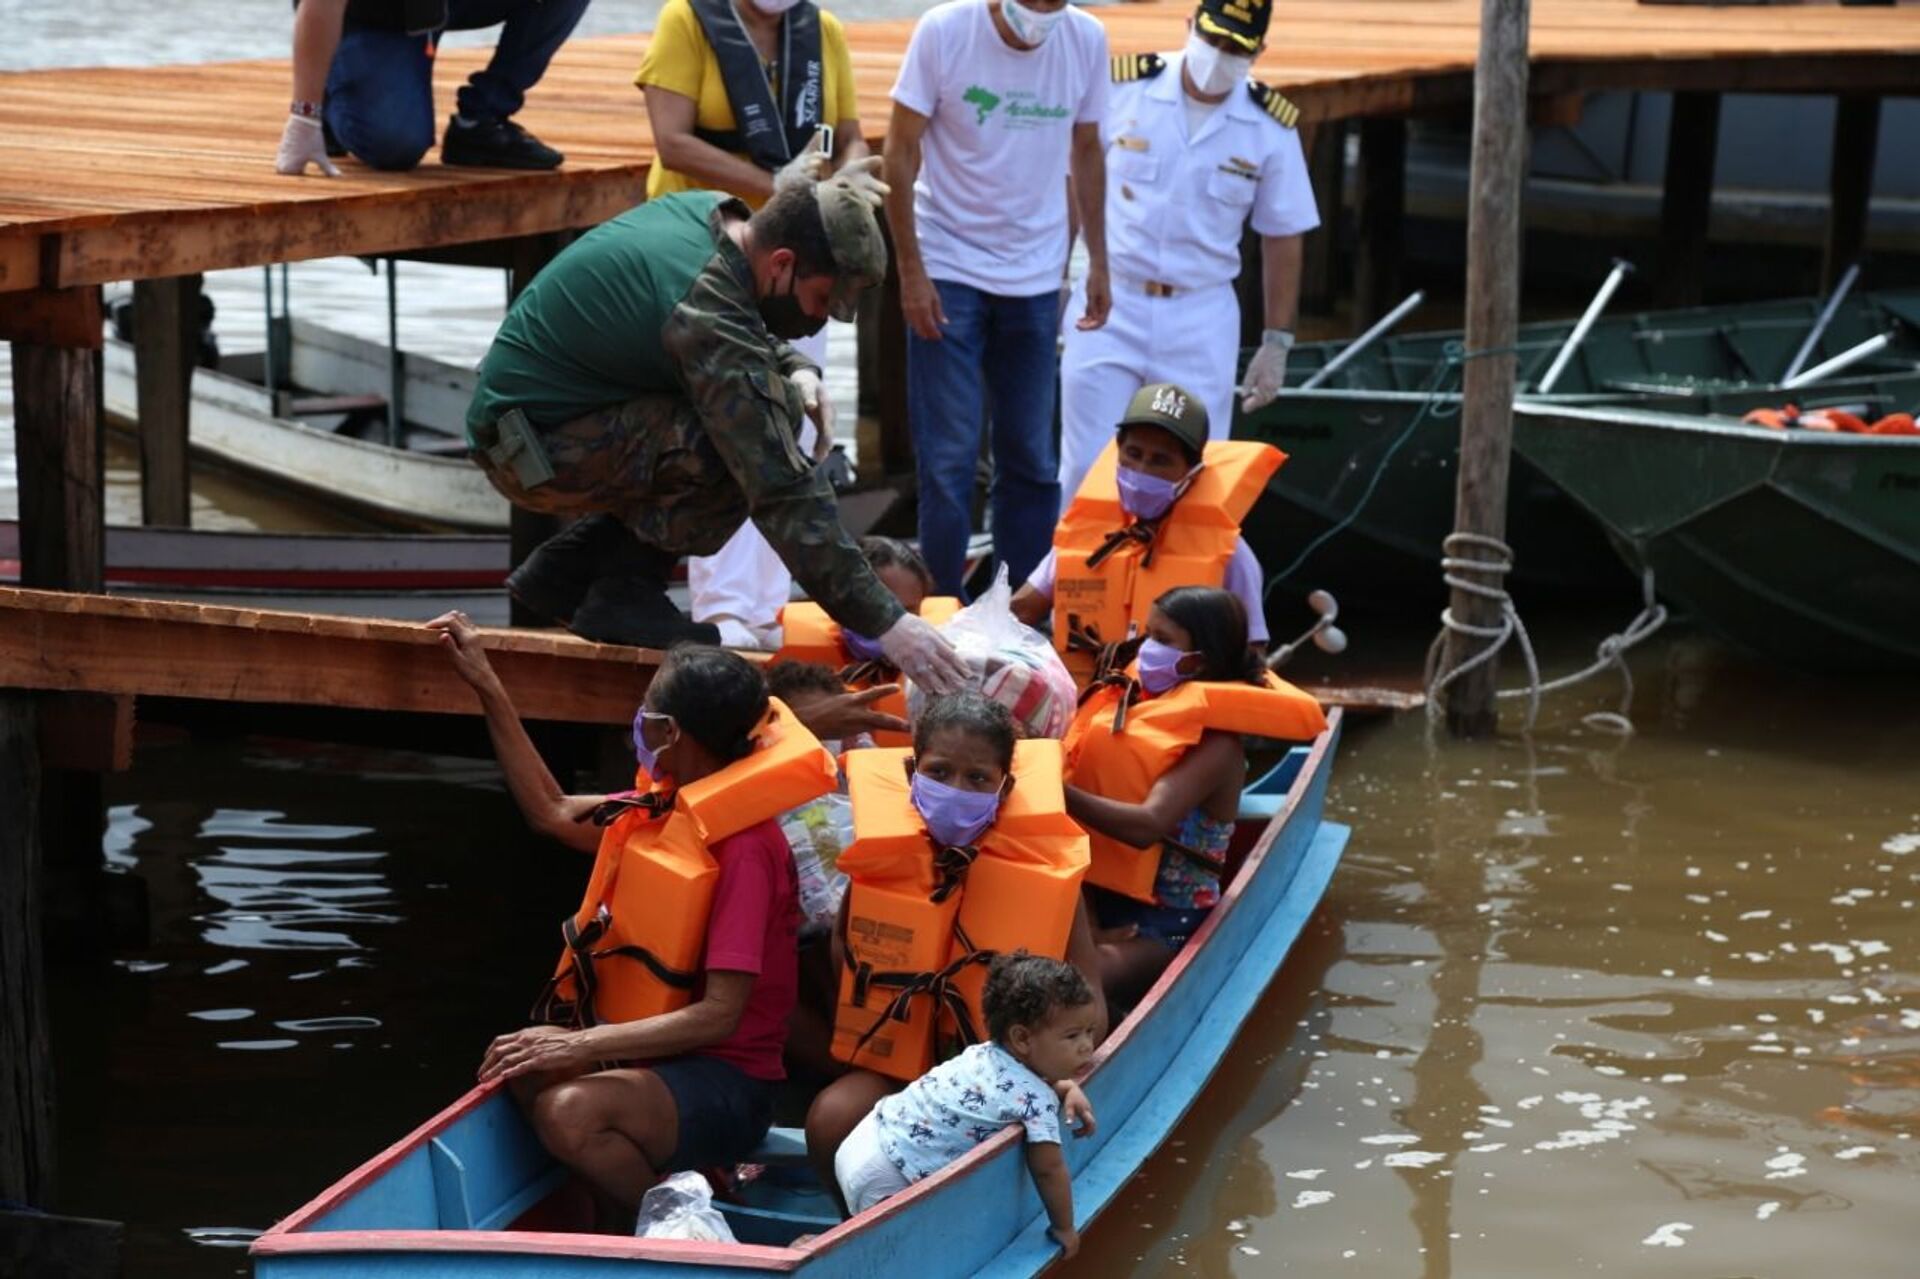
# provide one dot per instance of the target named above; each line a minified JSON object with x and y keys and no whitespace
{"x":859,"y":647}
{"x":1146,"y":497}
{"x":648,"y":757}
{"x":953,"y":816}
{"x":1160,"y":666}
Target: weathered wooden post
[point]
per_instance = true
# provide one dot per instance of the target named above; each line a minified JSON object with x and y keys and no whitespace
{"x":1856,"y":136}
{"x":1686,"y":206}
{"x":1380,"y":200}
{"x":166,"y":345}
{"x":1493,"y":305}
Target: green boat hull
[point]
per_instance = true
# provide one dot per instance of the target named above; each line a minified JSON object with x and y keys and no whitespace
{"x":1801,"y":545}
{"x":1700,"y":360}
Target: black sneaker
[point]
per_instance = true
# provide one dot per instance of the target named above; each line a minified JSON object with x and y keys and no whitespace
{"x":495,"y":144}
{"x":556,"y":576}
{"x":634,"y":609}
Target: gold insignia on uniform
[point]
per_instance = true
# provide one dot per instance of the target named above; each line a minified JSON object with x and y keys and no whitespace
{"x":1126,"y":142}
{"x":1269,"y":100}
{"x":1136,"y":66}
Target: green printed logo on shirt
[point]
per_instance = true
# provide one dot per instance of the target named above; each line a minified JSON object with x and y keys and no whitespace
{"x":1023,"y":110}
{"x":982,"y":100}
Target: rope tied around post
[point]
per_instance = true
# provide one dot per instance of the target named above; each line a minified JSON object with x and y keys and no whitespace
{"x":1491,"y":559}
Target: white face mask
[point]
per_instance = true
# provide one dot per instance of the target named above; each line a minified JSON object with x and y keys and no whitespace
{"x":774,"y":6}
{"x":1029,"y":26}
{"x":1212,"y":70}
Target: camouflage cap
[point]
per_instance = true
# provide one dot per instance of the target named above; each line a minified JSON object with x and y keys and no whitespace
{"x":859,"y":250}
{"x":1173,"y":409}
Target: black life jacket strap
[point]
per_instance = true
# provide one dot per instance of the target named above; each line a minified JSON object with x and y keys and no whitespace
{"x":768,"y":132}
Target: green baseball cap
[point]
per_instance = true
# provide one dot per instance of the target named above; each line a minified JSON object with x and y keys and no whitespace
{"x":1173,"y":409}
{"x":859,"y":250}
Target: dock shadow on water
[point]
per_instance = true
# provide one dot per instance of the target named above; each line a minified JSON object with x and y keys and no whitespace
{"x":1574,"y":1004}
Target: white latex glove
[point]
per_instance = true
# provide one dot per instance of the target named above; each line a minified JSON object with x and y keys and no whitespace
{"x":809,"y":166}
{"x":923,"y":655}
{"x":1267,"y":371}
{"x":863,"y":176}
{"x":302,"y":143}
{"x":813,"y":396}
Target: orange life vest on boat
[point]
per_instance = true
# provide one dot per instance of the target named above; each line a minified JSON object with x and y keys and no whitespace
{"x":1122,"y":763}
{"x":1109,"y":567}
{"x":923,"y":923}
{"x":633,"y":949}
{"x":809,"y":635}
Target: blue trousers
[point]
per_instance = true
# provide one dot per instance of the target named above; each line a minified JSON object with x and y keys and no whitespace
{"x":993,"y":363}
{"x":380,"y":87}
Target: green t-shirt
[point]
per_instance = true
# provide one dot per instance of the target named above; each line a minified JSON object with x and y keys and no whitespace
{"x":586,"y":333}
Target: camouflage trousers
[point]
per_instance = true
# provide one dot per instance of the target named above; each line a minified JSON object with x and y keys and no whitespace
{"x":647,"y":461}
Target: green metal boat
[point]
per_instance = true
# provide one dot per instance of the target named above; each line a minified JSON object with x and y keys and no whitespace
{"x":1399,"y":400}
{"x":1801,"y":545}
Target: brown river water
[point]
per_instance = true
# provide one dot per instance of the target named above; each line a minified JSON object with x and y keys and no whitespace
{"x":1575,"y":1003}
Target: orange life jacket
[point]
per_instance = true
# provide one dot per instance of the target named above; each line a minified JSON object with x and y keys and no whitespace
{"x":1109,"y":567}
{"x":923,"y":923}
{"x":1122,"y":763}
{"x":809,"y":635}
{"x":633,"y":949}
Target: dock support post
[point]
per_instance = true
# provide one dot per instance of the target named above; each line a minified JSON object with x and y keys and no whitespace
{"x":1493,"y":305}
{"x":1382,"y":209}
{"x":56,"y":428}
{"x":1687,"y":206}
{"x":26,"y":1072}
{"x":166,"y":342}
{"x":1326,"y":147}
{"x":882,"y":338}
{"x":1856,"y":136}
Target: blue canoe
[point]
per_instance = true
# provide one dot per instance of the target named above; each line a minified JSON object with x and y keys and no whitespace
{"x":471,"y":1194}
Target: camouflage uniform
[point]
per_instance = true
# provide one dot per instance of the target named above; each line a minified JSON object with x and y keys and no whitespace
{"x":685,"y":470}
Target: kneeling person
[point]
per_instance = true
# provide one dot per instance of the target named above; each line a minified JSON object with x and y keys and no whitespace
{"x":644,"y":381}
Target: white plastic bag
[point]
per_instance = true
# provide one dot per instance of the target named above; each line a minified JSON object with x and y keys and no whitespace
{"x":818,"y":832}
{"x":681,"y":1207}
{"x":1012,"y":663}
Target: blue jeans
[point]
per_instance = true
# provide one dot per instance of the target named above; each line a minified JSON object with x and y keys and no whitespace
{"x":994,"y":362}
{"x":380,"y":87}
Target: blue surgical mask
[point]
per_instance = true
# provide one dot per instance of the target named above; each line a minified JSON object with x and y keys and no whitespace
{"x":648,"y":757}
{"x":859,"y":647}
{"x":1160,"y":666}
{"x":1030,"y":27}
{"x":1147,"y":497}
{"x":953,"y":816}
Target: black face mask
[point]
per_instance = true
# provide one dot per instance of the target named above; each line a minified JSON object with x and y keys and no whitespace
{"x":786,"y":318}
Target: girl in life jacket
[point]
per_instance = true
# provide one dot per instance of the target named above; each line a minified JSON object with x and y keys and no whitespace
{"x":962,"y":772}
{"x":622,"y":1102}
{"x":1192,"y":634}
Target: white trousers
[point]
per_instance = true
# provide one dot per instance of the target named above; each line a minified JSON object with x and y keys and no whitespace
{"x":1192,"y":339}
{"x":742,"y":587}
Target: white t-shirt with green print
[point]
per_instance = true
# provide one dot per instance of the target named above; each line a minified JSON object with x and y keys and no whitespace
{"x":990,"y":206}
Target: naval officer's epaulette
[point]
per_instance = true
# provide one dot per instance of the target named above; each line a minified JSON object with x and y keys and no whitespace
{"x":1137,"y":66}
{"x":1269,"y":99}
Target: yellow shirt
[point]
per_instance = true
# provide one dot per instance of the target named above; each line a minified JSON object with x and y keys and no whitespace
{"x":680,"y":60}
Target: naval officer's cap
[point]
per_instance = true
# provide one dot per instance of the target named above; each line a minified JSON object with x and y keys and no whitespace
{"x":1243,"y":22}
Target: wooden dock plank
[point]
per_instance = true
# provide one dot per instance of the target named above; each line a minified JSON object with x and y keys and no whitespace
{"x":101,"y":644}
{"x":187,"y":184}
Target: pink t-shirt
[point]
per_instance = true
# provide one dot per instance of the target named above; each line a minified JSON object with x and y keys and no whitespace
{"x":754,"y":928}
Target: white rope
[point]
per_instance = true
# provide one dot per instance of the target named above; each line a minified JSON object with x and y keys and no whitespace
{"x":1490,"y":559}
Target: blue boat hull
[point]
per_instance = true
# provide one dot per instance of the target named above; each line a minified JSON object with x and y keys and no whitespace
{"x":440,"y":1203}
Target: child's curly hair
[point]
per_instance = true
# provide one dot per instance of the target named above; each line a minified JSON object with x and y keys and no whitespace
{"x":1024,"y":990}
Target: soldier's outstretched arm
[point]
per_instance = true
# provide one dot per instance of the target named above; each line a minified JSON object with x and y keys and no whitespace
{"x":752,"y":414}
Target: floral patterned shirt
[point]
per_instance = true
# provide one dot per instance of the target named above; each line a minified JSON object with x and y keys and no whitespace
{"x":959,"y":1104}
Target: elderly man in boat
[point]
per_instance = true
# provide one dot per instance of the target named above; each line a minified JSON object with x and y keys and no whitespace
{"x":644,"y":382}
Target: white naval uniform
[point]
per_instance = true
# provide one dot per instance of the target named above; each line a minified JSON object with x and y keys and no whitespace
{"x":1176,"y":207}
{"x":742,"y":587}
